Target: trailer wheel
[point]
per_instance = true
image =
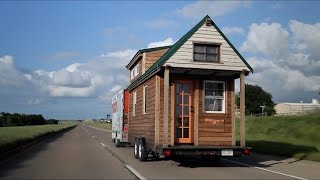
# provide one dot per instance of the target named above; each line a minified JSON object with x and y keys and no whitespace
{"x":143,"y":153}
{"x":113,"y":140}
{"x":118,"y":144}
{"x":136,"y":148}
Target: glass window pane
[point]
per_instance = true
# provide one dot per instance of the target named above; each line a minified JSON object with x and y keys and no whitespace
{"x":178,"y":88}
{"x":199,"y":57}
{"x":186,"y":88}
{"x":179,"y":99}
{"x":212,"y":50}
{"x":218,"y":86}
{"x":178,"y":110}
{"x":185,"y":132}
{"x":179,"y":121}
{"x":199,"y":49}
{"x":209,"y":92}
{"x":186,"y":122}
{"x":179,"y":133}
{"x":213,"y":104}
{"x":212,"y":58}
{"x":218,"y":93}
{"x":186,"y":110}
{"x":186,"y":99}
{"x":208,"y":85}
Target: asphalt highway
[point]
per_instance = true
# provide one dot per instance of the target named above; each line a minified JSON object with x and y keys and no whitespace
{"x":88,"y":153}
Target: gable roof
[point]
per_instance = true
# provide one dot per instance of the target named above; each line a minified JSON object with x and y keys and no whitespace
{"x":134,"y":59}
{"x":163,"y":59}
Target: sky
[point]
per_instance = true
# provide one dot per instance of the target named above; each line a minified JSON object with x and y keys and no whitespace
{"x":65,"y":59}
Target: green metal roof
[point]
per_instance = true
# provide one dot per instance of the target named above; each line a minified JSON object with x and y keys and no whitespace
{"x":132,"y":61}
{"x":163,"y":59}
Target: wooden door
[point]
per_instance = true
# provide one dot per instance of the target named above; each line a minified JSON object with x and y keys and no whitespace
{"x":183,"y":112}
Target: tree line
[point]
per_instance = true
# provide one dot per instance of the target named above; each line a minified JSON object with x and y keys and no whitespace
{"x":15,"y":119}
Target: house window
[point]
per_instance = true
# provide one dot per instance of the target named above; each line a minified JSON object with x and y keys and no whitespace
{"x":134,"y":105}
{"x":145,"y":96}
{"x":206,"y":52}
{"x":134,"y":71}
{"x":214,"y":96}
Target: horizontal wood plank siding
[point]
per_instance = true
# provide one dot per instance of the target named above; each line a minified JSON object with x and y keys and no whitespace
{"x":210,"y":132}
{"x":153,"y":56}
{"x":184,"y":56}
{"x":143,"y":124}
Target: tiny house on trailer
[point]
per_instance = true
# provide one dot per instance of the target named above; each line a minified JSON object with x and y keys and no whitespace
{"x":181,"y":97}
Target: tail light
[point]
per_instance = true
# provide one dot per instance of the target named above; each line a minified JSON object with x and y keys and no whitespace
{"x":246,"y":151}
{"x":167,"y":153}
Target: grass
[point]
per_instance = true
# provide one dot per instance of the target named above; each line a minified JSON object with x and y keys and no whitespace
{"x":290,"y":136}
{"x":101,"y":125}
{"x":11,"y":137}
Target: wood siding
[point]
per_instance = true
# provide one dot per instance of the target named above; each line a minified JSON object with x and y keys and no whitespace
{"x":152,"y":57}
{"x":143,"y":124}
{"x":229,"y":60}
{"x":216,"y":128}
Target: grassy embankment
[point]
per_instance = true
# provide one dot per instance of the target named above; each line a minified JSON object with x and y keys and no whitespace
{"x":290,"y":136}
{"x":98,"y":124}
{"x":11,"y":137}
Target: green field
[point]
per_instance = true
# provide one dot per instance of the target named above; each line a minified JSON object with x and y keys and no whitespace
{"x":18,"y":135}
{"x":101,"y":125}
{"x":290,"y":136}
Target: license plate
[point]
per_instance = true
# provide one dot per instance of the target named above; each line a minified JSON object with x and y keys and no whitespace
{"x":227,"y":152}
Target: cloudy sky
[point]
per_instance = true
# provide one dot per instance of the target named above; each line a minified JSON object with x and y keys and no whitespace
{"x":65,"y":59}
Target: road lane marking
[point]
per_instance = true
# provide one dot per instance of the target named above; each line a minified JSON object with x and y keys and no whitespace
{"x":103,"y":145}
{"x":263,"y":169}
{"x":135,"y":172}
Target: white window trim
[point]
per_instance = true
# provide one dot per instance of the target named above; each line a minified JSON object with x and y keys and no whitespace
{"x":134,"y":103}
{"x":144,"y":110}
{"x":224,"y":97}
{"x":134,"y":71}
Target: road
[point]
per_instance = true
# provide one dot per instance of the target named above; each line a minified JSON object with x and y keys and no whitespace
{"x":88,"y":153}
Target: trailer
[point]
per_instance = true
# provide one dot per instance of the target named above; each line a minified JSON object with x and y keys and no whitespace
{"x":181,"y":98}
{"x":120,"y":118}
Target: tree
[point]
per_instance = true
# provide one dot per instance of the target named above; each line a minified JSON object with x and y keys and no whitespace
{"x":256,"y":97}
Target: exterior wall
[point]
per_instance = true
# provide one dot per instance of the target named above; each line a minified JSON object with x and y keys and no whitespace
{"x":143,"y":124}
{"x":296,"y":108}
{"x":214,"y":129}
{"x":153,"y":56}
{"x":229,"y":60}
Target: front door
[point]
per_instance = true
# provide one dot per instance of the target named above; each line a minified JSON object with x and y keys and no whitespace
{"x":183,"y":111}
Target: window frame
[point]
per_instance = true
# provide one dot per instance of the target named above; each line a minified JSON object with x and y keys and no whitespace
{"x":224,"y":97}
{"x":134,"y":71}
{"x":205,"y":53}
{"x":145,"y":96}
{"x":134,"y":103}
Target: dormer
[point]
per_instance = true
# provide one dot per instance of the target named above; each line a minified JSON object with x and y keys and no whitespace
{"x":143,"y":60}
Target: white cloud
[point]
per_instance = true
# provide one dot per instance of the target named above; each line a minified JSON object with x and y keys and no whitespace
{"x":212,"y":8}
{"x":166,"y":42}
{"x":233,"y":30}
{"x":306,"y":37}
{"x":268,"y":39}
{"x":9,"y":74}
{"x":290,"y":72}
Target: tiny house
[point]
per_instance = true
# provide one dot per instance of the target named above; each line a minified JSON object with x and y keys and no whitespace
{"x":181,"y":97}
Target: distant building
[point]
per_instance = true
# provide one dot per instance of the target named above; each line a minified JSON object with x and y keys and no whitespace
{"x":297,"y":108}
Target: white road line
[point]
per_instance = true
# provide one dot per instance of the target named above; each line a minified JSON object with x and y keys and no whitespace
{"x":263,"y":169}
{"x":93,"y":136}
{"x":135,"y":172}
{"x":103,"y":145}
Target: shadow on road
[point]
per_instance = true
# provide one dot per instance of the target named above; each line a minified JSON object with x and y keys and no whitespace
{"x":19,"y":161}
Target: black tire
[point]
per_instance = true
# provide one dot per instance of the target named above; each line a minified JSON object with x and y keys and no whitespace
{"x":118,"y":143}
{"x":143,"y":153}
{"x":136,"y":148}
{"x":113,"y":140}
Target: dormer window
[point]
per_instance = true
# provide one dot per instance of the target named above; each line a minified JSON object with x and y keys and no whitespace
{"x":134,"y":71}
{"x":206,"y":52}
